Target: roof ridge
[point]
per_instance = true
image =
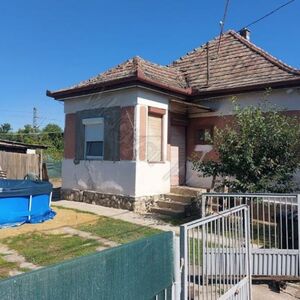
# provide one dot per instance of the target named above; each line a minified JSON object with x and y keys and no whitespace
{"x":279,"y":63}
{"x":197,"y":49}
{"x":138,"y":61}
{"x":157,"y":65}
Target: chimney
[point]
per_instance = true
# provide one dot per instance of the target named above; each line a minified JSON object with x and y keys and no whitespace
{"x":245,"y":33}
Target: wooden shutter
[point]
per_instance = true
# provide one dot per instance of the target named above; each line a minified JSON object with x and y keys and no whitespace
{"x":154,"y":144}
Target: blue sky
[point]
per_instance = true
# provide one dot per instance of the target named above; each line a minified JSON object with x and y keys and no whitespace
{"x":53,"y":44}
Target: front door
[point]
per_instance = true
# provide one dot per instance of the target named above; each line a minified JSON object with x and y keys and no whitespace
{"x":178,"y":155}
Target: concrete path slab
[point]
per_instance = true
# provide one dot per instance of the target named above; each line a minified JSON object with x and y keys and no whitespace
{"x":87,"y":235}
{"x":11,"y":255}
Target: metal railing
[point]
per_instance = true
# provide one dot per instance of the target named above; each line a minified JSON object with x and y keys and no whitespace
{"x":215,"y":253}
{"x":274,"y":228}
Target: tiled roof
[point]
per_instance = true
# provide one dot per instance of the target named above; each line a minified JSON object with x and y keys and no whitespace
{"x":236,"y":63}
{"x":233,"y":63}
{"x":136,"y":68}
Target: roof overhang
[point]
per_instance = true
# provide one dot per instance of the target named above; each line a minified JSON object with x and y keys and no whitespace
{"x":19,"y":145}
{"x":200,"y":108}
{"x":251,"y":88}
{"x":187,"y":93}
{"x":118,"y":83}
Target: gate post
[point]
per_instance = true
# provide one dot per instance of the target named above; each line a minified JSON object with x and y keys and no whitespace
{"x":203,"y":206}
{"x":248,"y":251}
{"x":177,"y":271}
{"x":183,"y":261}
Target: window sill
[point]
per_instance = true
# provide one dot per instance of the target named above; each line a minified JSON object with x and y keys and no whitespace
{"x":156,"y":162}
{"x":93,"y":158}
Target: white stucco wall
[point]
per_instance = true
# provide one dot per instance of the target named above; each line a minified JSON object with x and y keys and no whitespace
{"x":152,"y":178}
{"x":148,"y":98}
{"x":135,"y":178}
{"x":103,"y":176}
{"x":124,"y":97}
{"x":195,"y":179}
{"x":284,"y":99}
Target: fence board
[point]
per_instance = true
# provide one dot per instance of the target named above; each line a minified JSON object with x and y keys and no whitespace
{"x":138,"y":270}
{"x":17,"y":165}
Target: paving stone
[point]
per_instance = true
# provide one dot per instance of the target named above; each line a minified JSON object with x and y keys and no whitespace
{"x":28,"y":265}
{"x":87,"y":235}
{"x":15,"y":272}
{"x":14,"y":258}
{"x":5,"y":250}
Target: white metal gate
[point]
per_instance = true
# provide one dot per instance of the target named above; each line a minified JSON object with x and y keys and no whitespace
{"x":274,"y":229}
{"x":215,"y":255}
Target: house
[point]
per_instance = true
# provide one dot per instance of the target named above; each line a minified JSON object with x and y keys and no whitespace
{"x":130,"y":130}
{"x":19,"y":159}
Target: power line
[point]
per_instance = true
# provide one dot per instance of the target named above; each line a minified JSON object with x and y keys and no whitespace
{"x":222,"y":23}
{"x":30,"y":133}
{"x":269,"y":14}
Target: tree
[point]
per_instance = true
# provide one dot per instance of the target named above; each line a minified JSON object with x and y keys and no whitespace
{"x":52,"y":136}
{"x":258,"y":152}
{"x":5,"y":129}
{"x":28,"y":135}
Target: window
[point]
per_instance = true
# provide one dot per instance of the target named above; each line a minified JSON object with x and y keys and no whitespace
{"x":204,"y":136}
{"x":94,"y":138}
{"x":155,"y":138}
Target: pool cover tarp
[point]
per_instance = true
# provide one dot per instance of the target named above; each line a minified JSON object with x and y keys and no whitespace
{"x":13,"y":188}
{"x":24,"y":201}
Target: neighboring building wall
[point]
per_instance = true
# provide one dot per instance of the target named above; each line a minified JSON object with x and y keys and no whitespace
{"x":286,"y":99}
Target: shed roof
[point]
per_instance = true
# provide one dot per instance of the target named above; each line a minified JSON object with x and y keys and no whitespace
{"x":18,"y":145}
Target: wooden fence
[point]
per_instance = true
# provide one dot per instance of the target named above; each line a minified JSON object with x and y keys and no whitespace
{"x":17,"y":165}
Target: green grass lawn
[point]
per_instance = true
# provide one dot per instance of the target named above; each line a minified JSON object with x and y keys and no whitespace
{"x":5,"y":267}
{"x":117,"y":230}
{"x":45,"y":249}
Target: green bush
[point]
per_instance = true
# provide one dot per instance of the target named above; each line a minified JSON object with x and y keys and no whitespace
{"x":258,"y":151}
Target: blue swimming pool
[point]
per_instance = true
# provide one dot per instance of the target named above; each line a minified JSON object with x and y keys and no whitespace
{"x":24,"y":201}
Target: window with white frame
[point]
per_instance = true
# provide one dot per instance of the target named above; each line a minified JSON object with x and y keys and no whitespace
{"x":94,"y":138}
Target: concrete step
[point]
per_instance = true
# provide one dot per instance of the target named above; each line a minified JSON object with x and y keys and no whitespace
{"x":168,"y":212}
{"x":187,"y":191}
{"x":178,"y":198}
{"x":180,"y":206}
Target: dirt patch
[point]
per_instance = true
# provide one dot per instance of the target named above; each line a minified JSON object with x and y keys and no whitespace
{"x":64,"y":217}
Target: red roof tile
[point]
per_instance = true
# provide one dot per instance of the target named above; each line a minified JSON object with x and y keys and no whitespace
{"x":236,"y":63}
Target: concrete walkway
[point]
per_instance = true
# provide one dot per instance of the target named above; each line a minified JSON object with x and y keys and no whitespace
{"x":88,"y":236}
{"x":10,"y":255}
{"x":119,"y":214}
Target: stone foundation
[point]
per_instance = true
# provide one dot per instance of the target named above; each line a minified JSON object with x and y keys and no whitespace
{"x":136,"y":204}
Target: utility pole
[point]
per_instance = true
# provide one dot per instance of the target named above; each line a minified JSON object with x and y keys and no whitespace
{"x":34,"y":119}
